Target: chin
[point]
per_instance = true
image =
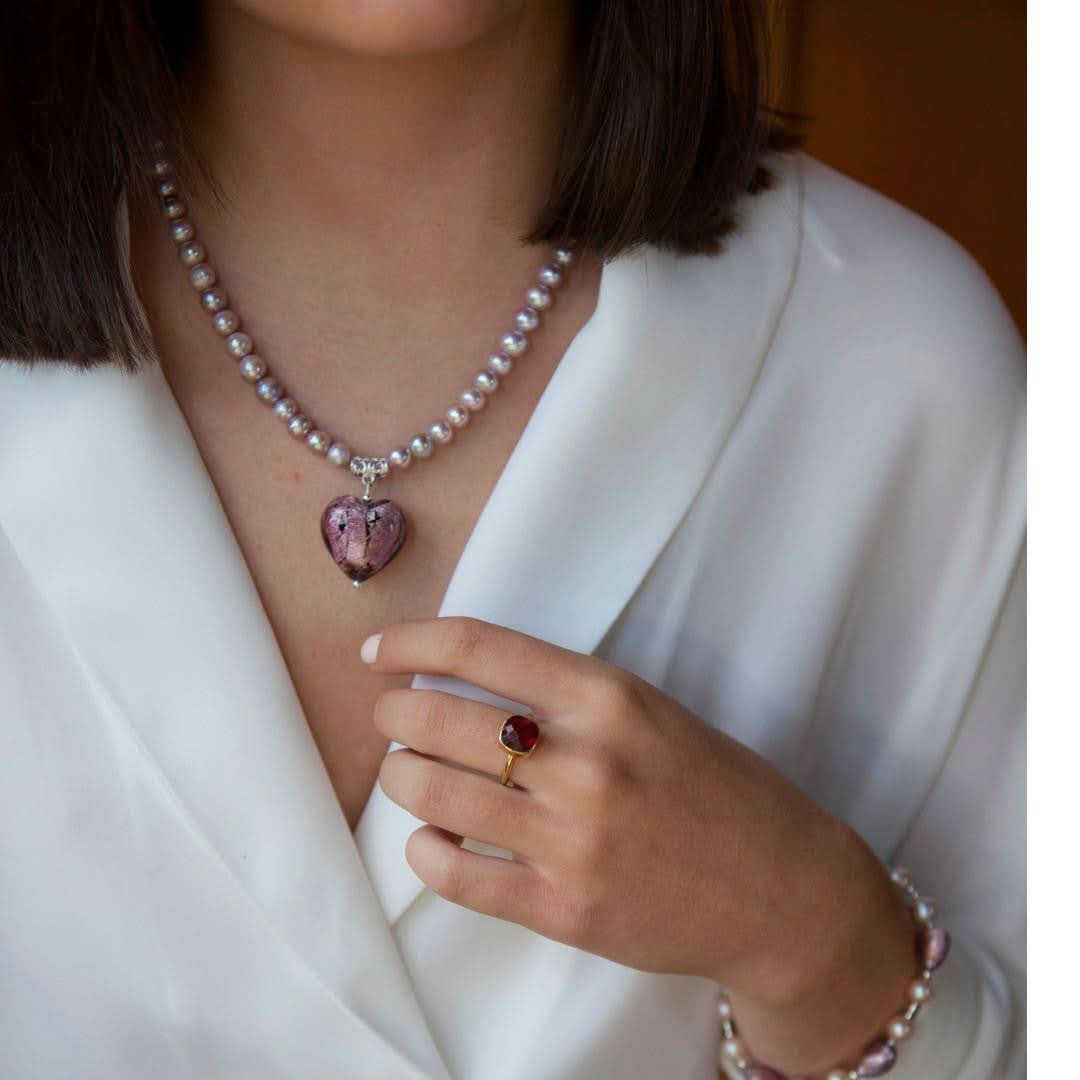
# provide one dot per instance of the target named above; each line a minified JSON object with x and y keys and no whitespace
{"x":385,"y":27}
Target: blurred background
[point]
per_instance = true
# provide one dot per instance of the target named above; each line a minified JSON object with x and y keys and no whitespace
{"x":925,"y":101}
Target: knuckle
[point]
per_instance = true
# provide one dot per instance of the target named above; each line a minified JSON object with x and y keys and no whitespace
{"x":447,"y":878}
{"x":464,"y":636}
{"x":619,"y":696}
{"x":432,"y":712}
{"x":423,"y":787}
{"x":604,"y":776}
{"x":385,"y":709}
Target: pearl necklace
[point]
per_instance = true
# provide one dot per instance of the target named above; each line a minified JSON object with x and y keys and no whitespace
{"x":362,"y":534}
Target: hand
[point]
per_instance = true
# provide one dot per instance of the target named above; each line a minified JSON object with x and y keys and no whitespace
{"x":639,"y":833}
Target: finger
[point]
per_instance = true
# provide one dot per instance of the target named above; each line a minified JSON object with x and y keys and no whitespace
{"x":465,"y":803}
{"x":504,"y":661}
{"x":460,"y":730}
{"x":503,"y":888}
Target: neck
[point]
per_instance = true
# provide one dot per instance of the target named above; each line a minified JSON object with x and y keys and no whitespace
{"x":386,"y":171}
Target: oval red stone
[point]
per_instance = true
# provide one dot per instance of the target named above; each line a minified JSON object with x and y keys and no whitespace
{"x":519,"y":734}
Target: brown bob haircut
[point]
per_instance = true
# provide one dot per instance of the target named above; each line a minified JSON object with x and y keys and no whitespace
{"x":667,"y":119}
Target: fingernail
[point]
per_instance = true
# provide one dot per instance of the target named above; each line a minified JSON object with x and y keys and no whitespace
{"x":370,"y":649}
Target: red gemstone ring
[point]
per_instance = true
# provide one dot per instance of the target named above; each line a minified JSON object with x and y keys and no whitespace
{"x":518,"y":736}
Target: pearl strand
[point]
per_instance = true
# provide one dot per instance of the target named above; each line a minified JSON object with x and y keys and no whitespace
{"x":879,"y":1056}
{"x":253,"y":369}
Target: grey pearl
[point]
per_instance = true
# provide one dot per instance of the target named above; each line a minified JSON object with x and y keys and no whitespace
{"x":473,"y":400}
{"x":167,"y":189}
{"x":182,"y":231}
{"x":420,"y":446}
{"x":175,"y":209}
{"x":440,"y":432}
{"x":500,"y":364}
{"x":527,"y":320}
{"x":400,"y":457}
{"x":202,"y":276}
{"x":192,"y":253}
{"x":239,"y":345}
{"x":214,"y":300}
{"x":225,"y":321}
{"x":252,"y":368}
{"x":539,"y":297}
{"x":564,"y":256}
{"x":485,"y":382}
{"x":299,"y":426}
{"x":285,"y":408}
{"x":457,"y":416}
{"x":551,"y":276}
{"x":515,"y":343}
{"x":318,"y":442}
{"x":338,"y":454}
{"x":269,"y":389}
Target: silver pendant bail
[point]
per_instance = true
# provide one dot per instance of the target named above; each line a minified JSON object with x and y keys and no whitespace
{"x":369,"y":470}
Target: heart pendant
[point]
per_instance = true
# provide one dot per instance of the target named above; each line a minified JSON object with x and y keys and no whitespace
{"x":362,"y":537}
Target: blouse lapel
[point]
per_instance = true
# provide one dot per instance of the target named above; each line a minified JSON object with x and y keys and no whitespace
{"x":635,"y":416}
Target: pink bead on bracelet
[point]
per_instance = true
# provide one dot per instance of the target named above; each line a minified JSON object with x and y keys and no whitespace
{"x":880,"y":1055}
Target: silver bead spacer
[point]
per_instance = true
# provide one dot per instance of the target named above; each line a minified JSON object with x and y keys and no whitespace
{"x":500,"y":364}
{"x":551,"y":276}
{"x":239,"y":345}
{"x":514,"y":343}
{"x":372,"y":467}
{"x":527,"y":320}
{"x":182,"y":231}
{"x":174,"y":209}
{"x":563,"y":256}
{"x":440,"y":432}
{"x":338,"y":454}
{"x":202,"y":276}
{"x":924,"y":910}
{"x":269,"y":389}
{"x":252,"y":368}
{"x":285,"y":408}
{"x":473,"y":400}
{"x":225,"y":321}
{"x":299,"y":426}
{"x":318,"y":442}
{"x":485,"y":382}
{"x":421,"y":446}
{"x":539,"y":297}
{"x":457,"y":416}
{"x":400,"y":457}
{"x":192,"y":253}
{"x":214,"y":300}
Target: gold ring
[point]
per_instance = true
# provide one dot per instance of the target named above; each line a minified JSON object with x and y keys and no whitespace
{"x":518,"y":736}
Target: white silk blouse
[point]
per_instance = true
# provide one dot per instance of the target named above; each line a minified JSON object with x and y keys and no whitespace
{"x":793,"y":478}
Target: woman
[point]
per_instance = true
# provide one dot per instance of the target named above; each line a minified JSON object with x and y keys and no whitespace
{"x":704,"y":600}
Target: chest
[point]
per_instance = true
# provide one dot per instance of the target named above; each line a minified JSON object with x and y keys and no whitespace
{"x":274,"y":500}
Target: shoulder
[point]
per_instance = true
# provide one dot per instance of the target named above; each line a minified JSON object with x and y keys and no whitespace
{"x":893,"y":298}
{"x":889,"y":324}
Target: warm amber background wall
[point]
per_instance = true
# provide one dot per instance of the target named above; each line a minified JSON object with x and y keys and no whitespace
{"x":926,"y":101}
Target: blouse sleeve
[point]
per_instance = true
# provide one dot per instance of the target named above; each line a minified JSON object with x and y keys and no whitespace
{"x":973,"y":823}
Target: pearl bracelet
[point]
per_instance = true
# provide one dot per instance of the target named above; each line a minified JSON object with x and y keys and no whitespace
{"x":880,"y":1056}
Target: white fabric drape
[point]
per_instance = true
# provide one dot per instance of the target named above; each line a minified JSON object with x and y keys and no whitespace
{"x":793,"y":475}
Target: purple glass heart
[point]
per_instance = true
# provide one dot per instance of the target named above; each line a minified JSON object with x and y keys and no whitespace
{"x":362,"y":537}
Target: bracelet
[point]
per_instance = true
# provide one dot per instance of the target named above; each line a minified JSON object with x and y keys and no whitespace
{"x":932,"y":944}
